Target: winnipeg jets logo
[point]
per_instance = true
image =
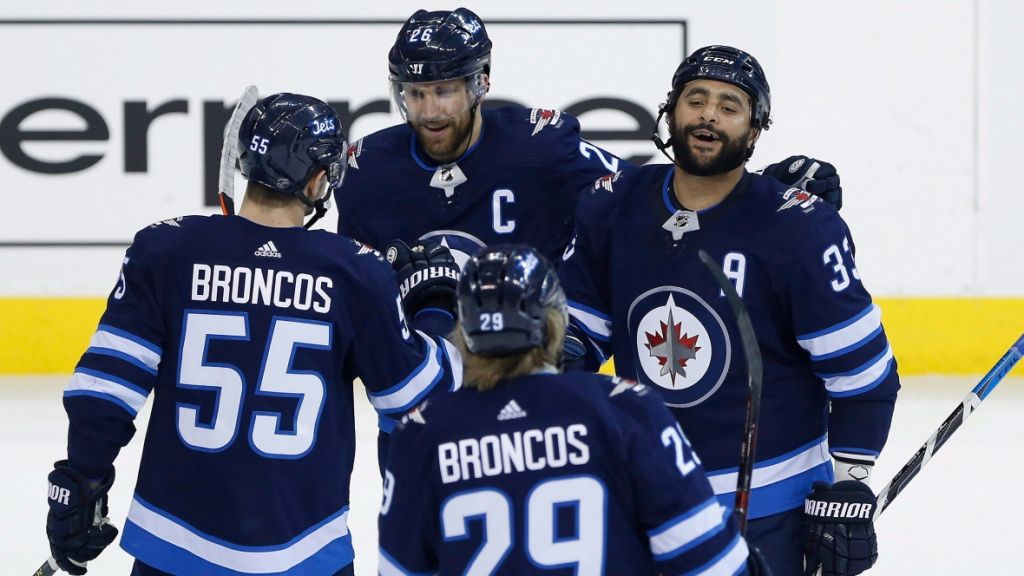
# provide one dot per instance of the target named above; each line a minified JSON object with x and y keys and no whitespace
{"x":672,"y":347}
{"x":797,"y":197}
{"x":461,"y":244}
{"x":416,"y":414}
{"x":353,"y":153}
{"x":173,"y":223}
{"x":541,"y":117}
{"x":682,"y":346}
{"x":623,"y":385}
{"x":367,"y":249}
{"x":606,"y":182}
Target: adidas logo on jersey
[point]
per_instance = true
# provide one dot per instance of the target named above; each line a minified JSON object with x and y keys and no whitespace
{"x":511,"y":411}
{"x":268,"y":250}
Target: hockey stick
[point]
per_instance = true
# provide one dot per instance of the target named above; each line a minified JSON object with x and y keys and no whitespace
{"x":952,"y":423}
{"x":49,"y":568}
{"x":752,"y":353}
{"x":228,"y":151}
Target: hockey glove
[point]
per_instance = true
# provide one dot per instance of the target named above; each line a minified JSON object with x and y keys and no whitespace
{"x":815,"y":176}
{"x":77,"y":525}
{"x":838,"y":533}
{"x":574,"y":351}
{"x":427,"y":276}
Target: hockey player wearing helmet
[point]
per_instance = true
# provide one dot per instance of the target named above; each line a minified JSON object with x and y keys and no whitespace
{"x":290,"y":147}
{"x":637,"y":289}
{"x":248,"y":332}
{"x":439,"y":69}
{"x":525,"y":470}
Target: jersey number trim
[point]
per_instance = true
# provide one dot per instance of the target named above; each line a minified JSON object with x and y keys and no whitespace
{"x":546,"y":544}
{"x":226,"y":382}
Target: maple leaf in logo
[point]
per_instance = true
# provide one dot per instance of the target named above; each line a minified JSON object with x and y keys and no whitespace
{"x":673,"y":350}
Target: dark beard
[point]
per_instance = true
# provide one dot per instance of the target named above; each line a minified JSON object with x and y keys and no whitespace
{"x":732,"y":155}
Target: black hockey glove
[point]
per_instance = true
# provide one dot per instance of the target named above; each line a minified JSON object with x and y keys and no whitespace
{"x":838,"y":533}
{"x":815,"y":176}
{"x":77,"y":525}
{"x":427,"y":276}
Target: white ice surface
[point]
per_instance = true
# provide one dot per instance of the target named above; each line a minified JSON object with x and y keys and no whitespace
{"x":962,"y":515}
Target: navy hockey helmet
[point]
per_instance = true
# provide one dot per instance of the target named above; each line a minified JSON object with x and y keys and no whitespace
{"x":504,"y":296}
{"x":726,"y":64}
{"x":443,"y":45}
{"x":286,"y":138}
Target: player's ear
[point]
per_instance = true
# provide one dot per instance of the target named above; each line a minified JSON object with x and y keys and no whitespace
{"x":317,"y":185}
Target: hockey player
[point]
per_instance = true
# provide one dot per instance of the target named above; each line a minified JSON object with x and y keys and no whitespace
{"x":637,"y":288}
{"x":525,"y":470}
{"x":248,"y":331}
{"x":465,"y":177}
{"x":453,"y":173}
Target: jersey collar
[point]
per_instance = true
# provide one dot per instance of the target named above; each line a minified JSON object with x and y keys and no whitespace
{"x":672,"y":204}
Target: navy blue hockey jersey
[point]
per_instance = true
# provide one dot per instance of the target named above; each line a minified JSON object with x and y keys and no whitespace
{"x":510,"y":482}
{"x":517,"y":184}
{"x":248,"y":338}
{"x":638,"y":289}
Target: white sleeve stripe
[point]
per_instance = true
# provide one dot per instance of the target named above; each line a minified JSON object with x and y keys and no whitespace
{"x":861,"y":377}
{"x":774,"y":470}
{"x":121,"y":356}
{"x":407,"y":392}
{"x":390,"y":567}
{"x":597,"y":327}
{"x":137,"y":339}
{"x":82,"y":383}
{"x":688,"y":531}
{"x":728,"y":563}
{"x":455,"y":362}
{"x":104,"y":338}
{"x":847,"y":335}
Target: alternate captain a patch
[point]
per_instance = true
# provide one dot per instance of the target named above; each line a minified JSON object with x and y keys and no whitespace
{"x":682,"y":345}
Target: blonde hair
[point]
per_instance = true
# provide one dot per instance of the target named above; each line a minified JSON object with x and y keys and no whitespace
{"x":485,"y":372}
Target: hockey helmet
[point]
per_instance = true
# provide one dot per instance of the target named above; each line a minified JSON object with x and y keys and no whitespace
{"x":731,"y":65}
{"x":504,"y":296}
{"x":436,"y":47}
{"x":286,"y":138}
